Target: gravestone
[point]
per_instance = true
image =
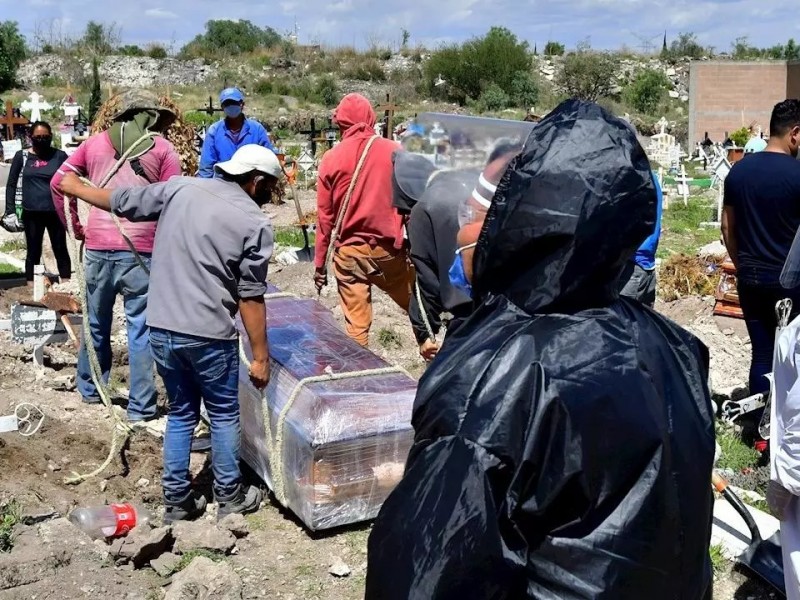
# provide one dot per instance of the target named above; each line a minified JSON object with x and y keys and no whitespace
{"x":38,"y":327}
{"x":12,"y":118}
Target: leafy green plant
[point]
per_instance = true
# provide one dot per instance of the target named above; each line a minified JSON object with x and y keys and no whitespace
{"x":130,"y":50}
{"x":389,"y":339}
{"x":740,"y":136}
{"x":588,"y":75}
{"x":647,"y":90}
{"x":96,"y":98}
{"x":157,"y":51}
{"x":494,"y":98}
{"x":524,"y":90}
{"x":327,"y":91}
{"x":718,"y":561}
{"x":230,"y":38}
{"x":554,"y":49}
{"x":736,"y":456}
{"x":10,"y":515}
{"x":263,"y":87}
{"x":12,"y":53}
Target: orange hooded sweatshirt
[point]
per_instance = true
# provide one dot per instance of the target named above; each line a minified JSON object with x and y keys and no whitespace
{"x":371,"y":218}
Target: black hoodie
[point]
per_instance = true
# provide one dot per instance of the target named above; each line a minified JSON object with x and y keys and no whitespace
{"x":563,"y":437}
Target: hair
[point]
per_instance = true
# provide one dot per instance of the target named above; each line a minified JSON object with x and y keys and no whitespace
{"x":785,"y":117}
{"x":43,"y":124}
{"x":240,"y":179}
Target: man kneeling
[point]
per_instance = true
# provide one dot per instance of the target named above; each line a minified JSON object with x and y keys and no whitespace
{"x":210,"y":257}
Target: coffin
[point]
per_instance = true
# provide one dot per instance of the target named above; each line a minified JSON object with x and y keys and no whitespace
{"x":336,"y":451}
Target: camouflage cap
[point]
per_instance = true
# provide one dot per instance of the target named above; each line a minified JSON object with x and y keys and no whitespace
{"x":133,"y":101}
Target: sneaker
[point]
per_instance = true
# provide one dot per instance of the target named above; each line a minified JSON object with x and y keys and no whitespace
{"x":241,"y":502}
{"x":91,"y":400}
{"x":193,"y":506}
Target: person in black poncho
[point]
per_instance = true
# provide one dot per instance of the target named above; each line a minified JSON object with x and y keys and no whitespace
{"x":564,"y":436}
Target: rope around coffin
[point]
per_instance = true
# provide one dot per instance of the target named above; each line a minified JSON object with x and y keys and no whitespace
{"x":275,"y":446}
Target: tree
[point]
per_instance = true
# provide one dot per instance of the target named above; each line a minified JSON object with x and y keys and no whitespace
{"x":12,"y":53}
{"x":554,"y":49}
{"x":100,"y":38}
{"x":157,"y":51}
{"x":494,"y":98}
{"x":664,"y":48}
{"x":96,"y":98}
{"x":587,"y":75}
{"x":524,"y":90}
{"x":470,"y":68}
{"x":231,"y":38}
{"x":647,"y":90}
{"x":130,"y":50}
{"x":406,"y":35}
{"x":791,"y":51}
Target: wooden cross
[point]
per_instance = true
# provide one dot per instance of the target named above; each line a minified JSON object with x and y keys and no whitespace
{"x":210,"y":109}
{"x":312,"y":136}
{"x":9,"y":120}
{"x":389,"y":109}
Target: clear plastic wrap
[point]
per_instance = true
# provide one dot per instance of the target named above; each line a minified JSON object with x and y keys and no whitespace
{"x":336,"y":452}
{"x":460,"y":142}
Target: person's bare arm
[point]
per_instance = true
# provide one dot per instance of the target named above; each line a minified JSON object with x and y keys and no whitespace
{"x":254,"y":319}
{"x":729,"y":233}
{"x":72,"y":186}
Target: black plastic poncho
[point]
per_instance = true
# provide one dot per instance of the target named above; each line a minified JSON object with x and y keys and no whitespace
{"x":564,"y":437}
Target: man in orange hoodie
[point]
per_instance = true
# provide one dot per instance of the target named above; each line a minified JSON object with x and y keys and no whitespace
{"x":368,"y":248}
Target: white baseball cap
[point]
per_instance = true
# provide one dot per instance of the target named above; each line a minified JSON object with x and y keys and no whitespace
{"x":252,"y":157}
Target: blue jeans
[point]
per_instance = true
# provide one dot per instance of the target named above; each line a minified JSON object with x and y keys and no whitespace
{"x":109,"y":273}
{"x":193,"y":368}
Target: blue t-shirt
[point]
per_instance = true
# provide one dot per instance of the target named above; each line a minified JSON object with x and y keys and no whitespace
{"x":220,"y":143}
{"x":764,"y":190}
{"x":646,"y":254}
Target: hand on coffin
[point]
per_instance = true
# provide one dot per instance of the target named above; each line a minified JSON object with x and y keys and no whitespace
{"x":428,"y":350}
{"x":260,"y":373}
{"x":320,"y":278}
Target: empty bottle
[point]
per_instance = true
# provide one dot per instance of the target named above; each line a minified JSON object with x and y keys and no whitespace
{"x":112,"y":520}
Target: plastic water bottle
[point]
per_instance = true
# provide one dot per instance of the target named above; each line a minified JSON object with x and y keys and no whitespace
{"x":112,"y":520}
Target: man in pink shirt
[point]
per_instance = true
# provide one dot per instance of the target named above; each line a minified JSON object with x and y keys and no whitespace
{"x":110,"y":266}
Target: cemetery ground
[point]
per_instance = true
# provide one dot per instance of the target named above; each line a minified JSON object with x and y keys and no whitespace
{"x":43,"y":556}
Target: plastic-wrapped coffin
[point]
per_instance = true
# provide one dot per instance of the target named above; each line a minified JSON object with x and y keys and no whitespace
{"x":332,"y":437}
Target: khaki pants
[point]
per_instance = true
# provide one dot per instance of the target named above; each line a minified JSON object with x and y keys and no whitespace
{"x":357,"y":269}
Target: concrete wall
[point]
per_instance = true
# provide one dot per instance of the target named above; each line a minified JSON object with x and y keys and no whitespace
{"x":726,"y":95}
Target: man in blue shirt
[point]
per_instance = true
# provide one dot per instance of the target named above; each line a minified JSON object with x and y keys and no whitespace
{"x":639,"y":277}
{"x":225,"y":137}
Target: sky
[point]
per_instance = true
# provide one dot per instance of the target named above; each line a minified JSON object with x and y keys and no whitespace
{"x":605,"y":24}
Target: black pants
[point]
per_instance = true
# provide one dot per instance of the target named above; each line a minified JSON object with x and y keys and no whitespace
{"x":36,"y":223}
{"x":758,"y":307}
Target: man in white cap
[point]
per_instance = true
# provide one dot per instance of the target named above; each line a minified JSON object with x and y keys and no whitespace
{"x":212,"y":248}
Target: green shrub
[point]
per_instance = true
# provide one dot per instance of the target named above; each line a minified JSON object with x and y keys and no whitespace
{"x":263,"y":87}
{"x":12,"y":52}
{"x":646,"y":91}
{"x":587,"y":75}
{"x":494,"y":98}
{"x":740,"y":137}
{"x":469,"y":68}
{"x":230,"y":38}
{"x":130,"y":50}
{"x":157,"y":51}
{"x":326,"y":91}
{"x":554,"y":49}
{"x":365,"y":70}
{"x":524,"y":90}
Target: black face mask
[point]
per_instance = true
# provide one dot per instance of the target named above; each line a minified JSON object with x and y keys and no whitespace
{"x":42,"y":142}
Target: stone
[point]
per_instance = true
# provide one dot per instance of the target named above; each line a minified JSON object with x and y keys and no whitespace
{"x":142,"y":483}
{"x":205,"y":579}
{"x":674,"y":94}
{"x":202,"y":535}
{"x":339,"y":568}
{"x":165,"y":564}
{"x":141,"y":545}
{"x":236,"y":524}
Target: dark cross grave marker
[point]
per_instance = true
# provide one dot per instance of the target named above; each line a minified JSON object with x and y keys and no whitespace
{"x":210,"y":109}
{"x":389,"y":108}
{"x":10,"y":119}
{"x":312,"y":136}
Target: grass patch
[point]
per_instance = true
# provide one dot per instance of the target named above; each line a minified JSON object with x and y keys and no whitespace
{"x":680,"y":227}
{"x":718,"y":561}
{"x":292,"y":237}
{"x":736,"y":456}
{"x":389,"y":339}
{"x":10,"y":515}
{"x":7,"y":269}
{"x":186,"y":559}
{"x":12,"y":245}
{"x":304,"y":570}
{"x":759,"y":504}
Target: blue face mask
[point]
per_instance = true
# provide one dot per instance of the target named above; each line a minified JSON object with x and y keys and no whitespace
{"x":457,"y":274}
{"x":233,"y":111}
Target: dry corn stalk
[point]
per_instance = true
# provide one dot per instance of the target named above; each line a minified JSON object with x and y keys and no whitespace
{"x":681,"y":276}
{"x":180,"y":133}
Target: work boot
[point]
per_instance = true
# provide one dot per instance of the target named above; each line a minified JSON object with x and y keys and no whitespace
{"x":189,"y":509}
{"x":242,"y":502}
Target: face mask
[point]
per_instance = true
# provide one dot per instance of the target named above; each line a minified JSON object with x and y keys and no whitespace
{"x":457,"y":273}
{"x":233,"y":111}
{"x":41,"y":142}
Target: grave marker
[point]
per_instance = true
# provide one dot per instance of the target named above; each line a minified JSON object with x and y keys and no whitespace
{"x":9,"y":120}
{"x":35,"y":105}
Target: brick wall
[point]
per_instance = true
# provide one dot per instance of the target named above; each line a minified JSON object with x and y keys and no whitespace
{"x":726,"y":95}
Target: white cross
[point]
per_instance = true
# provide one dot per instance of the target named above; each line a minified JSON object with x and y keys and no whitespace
{"x":35,"y":106}
{"x":683,"y":185}
{"x":663,"y":123}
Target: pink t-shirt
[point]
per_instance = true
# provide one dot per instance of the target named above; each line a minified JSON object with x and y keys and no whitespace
{"x":94,"y":159}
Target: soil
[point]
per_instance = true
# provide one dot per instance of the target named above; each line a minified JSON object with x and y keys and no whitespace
{"x":279,"y":559}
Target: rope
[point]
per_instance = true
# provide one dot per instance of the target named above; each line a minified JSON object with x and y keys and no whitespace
{"x":423,"y":312}
{"x":346,"y":202}
{"x":121,"y":430}
{"x":275,"y":446}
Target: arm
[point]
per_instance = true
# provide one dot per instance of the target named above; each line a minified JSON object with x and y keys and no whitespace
{"x":264,"y":138}
{"x":170,"y":165}
{"x":77,"y":164}
{"x":13,"y":179}
{"x":423,"y":254}
{"x":252,"y":287}
{"x":729,"y":224}
{"x":729,"y":234}
{"x":141,"y":203}
{"x":209,"y":157}
{"x":326,"y":219}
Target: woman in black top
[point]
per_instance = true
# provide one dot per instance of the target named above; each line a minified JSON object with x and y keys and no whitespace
{"x":38,"y":211}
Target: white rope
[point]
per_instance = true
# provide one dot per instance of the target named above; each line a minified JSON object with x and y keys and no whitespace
{"x":121,"y":430}
{"x":423,"y":312}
